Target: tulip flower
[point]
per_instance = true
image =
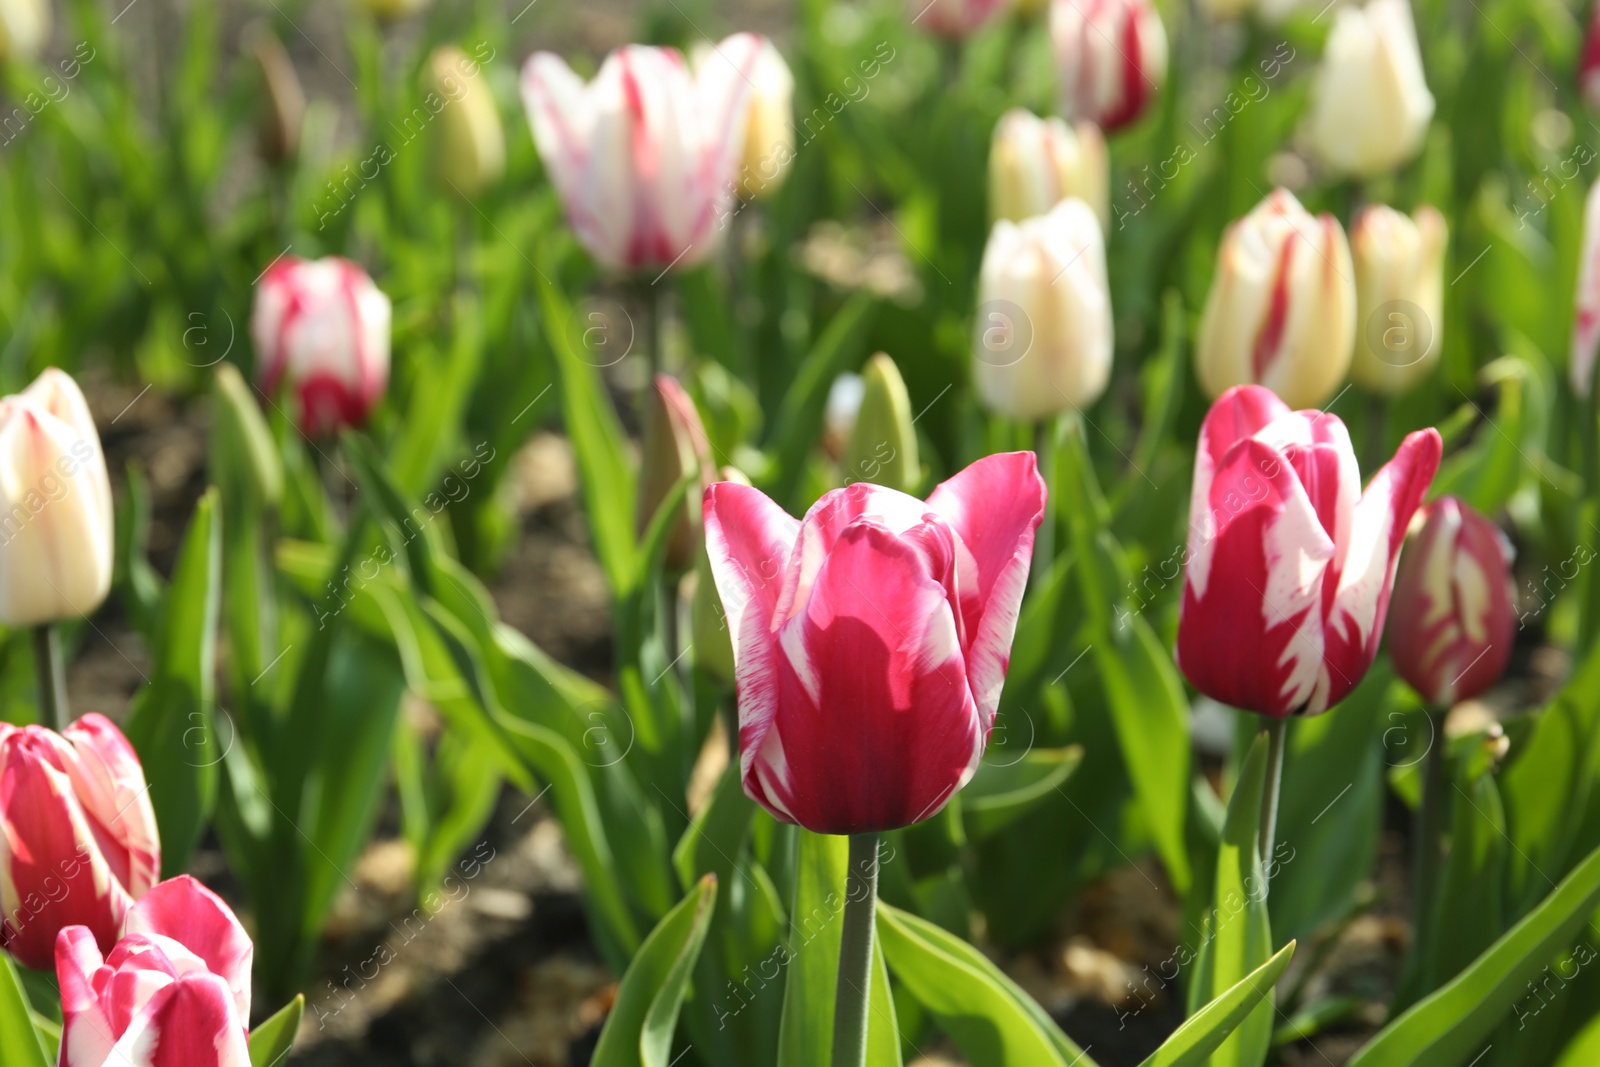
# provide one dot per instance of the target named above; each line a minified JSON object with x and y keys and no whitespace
{"x":1035,"y":163}
{"x":954,"y":19}
{"x":769,"y":135}
{"x":173,"y":992}
{"x":1043,"y":334}
{"x":675,"y":445}
{"x":1399,"y":264}
{"x":1589,"y":64}
{"x":78,"y":840}
{"x":393,"y":9}
{"x":1111,"y":57}
{"x":871,"y":638}
{"x":1290,"y":564}
{"x":55,"y":505}
{"x":24,"y":27}
{"x":1453,"y":622}
{"x":472,"y":148}
{"x":1586,"y":313}
{"x":1282,"y":307}
{"x":1371,"y":105}
{"x":322,"y":327}
{"x":645,"y":157}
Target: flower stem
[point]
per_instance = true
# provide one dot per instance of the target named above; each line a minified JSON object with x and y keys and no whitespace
{"x":1046,"y":440}
{"x":1429,"y":830}
{"x":51,"y":674}
{"x":1275,"y":729}
{"x":855,"y":953}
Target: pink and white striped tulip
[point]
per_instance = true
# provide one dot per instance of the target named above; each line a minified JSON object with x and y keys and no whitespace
{"x":646,"y":156}
{"x":321,"y":327}
{"x":1290,"y":565}
{"x":1589,"y":63}
{"x":173,"y":992}
{"x":955,"y":18}
{"x":1453,"y":623}
{"x":1036,"y":163}
{"x":1111,"y":57}
{"x":78,"y":839}
{"x":1586,"y":311}
{"x":871,"y":638}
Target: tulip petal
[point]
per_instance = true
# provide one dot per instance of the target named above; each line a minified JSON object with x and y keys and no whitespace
{"x":86,"y":1033}
{"x":995,"y":506}
{"x":876,"y":727}
{"x":827,"y":519}
{"x":110,"y":784}
{"x":190,"y":1023}
{"x":189,"y":913}
{"x":1366,"y":578}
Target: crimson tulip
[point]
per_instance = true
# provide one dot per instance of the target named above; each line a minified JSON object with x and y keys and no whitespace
{"x":173,"y":992}
{"x":1454,"y":617}
{"x":871,"y":638}
{"x":1290,"y":565}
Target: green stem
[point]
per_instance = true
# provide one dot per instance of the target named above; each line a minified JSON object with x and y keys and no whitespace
{"x":1044,"y":539}
{"x":1274,"y":729}
{"x":1430,"y":832}
{"x":51,"y":673}
{"x":650,"y":331}
{"x":855,"y":954}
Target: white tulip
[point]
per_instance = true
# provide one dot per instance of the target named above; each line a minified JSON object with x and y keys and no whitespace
{"x":24,"y":27}
{"x":1586,"y":309}
{"x":1035,"y":163}
{"x":1399,"y":263}
{"x":1371,"y":104}
{"x":769,"y":135}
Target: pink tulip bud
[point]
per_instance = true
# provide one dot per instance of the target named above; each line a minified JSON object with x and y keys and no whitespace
{"x":1453,"y":624}
{"x":871,"y":638}
{"x":55,"y":505}
{"x":675,"y":445}
{"x":1586,"y":312}
{"x":78,"y":840}
{"x":1589,"y":64}
{"x":322,"y":327}
{"x":646,"y":156}
{"x":1111,"y":57}
{"x":954,"y":18}
{"x":1290,"y":564}
{"x":173,"y":992}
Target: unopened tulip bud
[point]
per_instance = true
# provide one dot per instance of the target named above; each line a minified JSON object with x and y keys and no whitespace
{"x":1452,"y":620}
{"x":472,"y":144}
{"x":769,"y":137}
{"x":713,"y":643}
{"x":1282,"y":308}
{"x":55,"y":505}
{"x":1371,"y":103}
{"x":1589,"y":65}
{"x":283,"y":110}
{"x":954,"y":19}
{"x":1043,"y":339}
{"x":1035,"y":163}
{"x":1111,"y":57}
{"x":1399,"y":264}
{"x":1586,"y":310}
{"x":24,"y":28}
{"x":322,"y":329}
{"x":883,"y":442}
{"x":675,"y":445}
{"x":240,"y":430}
{"x":78,"y":839}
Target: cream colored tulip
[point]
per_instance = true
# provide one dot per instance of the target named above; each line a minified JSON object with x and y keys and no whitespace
{"x":472,"y":143}
{"x":1282,"y":308}
{"x":1399,"y":263}
{"x":1042,"y":340}
{"x":24,"y":27}
{"x":1371,"y":104}
{"x":769,"y":135}
{"x":1035,"y":163}
{"x":55,"y":505}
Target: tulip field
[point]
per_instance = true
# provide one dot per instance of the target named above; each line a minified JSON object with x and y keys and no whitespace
{"x":799,"y":533}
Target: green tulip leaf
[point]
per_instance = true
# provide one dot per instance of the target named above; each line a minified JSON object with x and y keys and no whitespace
{"x":20,"y":1042}
{"x":1192,"y":1044}
{"x":271,"y":1042}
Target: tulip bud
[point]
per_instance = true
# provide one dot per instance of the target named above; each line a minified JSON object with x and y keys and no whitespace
{"x":954,"y":18}
{"x":675,"y":445}
{"x":1399,"y":264}
{"x":55,"y":505}
{"x":1282,"y":307}
{"x":871,"y":639}
{"x":1452,"y":627}
{"x":645,"y":157}
{"x":24,"y":28}
{"x":1043,"y":333}
{"x":883,"y":443}
{"x":1035,"y":163}
{"x":78,"y":839}
{"x":713,"y":644}
{"x":389,"y":10}
{"x":284,"y":108}
{"x":1586,"y":310}
{"x":322,"y":327}
{"x":1290,"y":564}
{"x":1371,"y":104}
{"x":472,"y":143}
{"x":1111,"y":57}
{"x":769,"y":136}
{"x":1589,"y":64}
{"x":839,"y":416}
{"x":173,"y":992}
